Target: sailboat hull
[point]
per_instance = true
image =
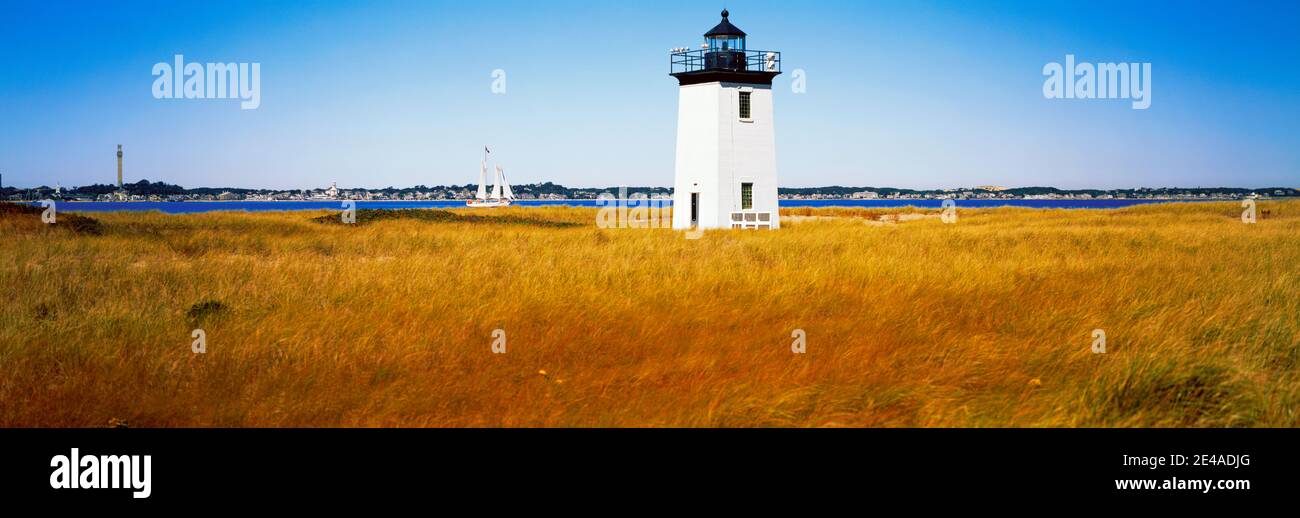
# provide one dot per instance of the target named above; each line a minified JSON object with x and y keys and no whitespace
{"x":487,"y":203}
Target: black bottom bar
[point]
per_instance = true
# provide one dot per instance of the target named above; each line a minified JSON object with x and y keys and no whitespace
{"x":474,"y":467}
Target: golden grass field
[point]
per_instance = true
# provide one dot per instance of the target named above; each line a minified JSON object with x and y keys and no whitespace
{"x":986,"y":322}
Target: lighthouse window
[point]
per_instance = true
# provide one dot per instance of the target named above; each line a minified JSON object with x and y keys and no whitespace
{"x":725,"y":43}
{"x":744,"y":105}
{"x":746,"y":196}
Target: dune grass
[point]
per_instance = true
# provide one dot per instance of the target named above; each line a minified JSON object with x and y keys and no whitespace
{"x":985,"y":322}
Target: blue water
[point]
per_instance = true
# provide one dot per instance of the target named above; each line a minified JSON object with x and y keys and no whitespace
{"x":187,"y":207}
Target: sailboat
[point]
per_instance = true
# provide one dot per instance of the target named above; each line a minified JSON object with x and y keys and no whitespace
{"x":501,"y":193}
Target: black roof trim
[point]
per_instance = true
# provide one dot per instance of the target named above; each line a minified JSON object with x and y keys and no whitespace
{"x":725,"y":76}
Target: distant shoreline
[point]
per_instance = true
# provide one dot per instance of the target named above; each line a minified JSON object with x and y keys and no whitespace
{"x":781,"y":198}
{"x":145,"y":190}
{"x":194,"y":207}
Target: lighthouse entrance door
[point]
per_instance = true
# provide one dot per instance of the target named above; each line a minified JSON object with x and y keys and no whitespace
{"x":695,"y":209}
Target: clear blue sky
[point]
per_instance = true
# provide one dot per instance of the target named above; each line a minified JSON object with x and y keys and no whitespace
{"x":905,"y":94}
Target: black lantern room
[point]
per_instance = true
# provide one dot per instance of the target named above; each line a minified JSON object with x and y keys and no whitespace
{"x":725,"y":37}
{"x":724,"y":57}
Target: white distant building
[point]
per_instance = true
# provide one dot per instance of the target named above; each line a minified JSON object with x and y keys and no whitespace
{"x":333,"y":191}
{"x":726,"y":143}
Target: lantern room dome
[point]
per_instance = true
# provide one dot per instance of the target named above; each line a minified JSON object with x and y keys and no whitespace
{"x":725,"y":28}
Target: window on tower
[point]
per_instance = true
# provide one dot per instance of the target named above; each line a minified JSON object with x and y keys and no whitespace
{"x":746,"y":196}
{"x":744,"y":105}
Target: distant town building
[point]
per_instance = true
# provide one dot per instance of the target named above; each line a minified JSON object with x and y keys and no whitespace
{"x":120,"y":195}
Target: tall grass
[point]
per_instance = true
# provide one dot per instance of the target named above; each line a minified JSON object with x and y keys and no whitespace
{"x":986,"y":322}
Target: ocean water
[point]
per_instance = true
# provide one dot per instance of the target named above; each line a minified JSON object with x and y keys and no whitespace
{"x":188,"y":207}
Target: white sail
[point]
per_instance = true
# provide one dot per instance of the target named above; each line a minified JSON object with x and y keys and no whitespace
{"x":482,"y":182}
{"x":496,"y":185}
{"x":505,"y":185}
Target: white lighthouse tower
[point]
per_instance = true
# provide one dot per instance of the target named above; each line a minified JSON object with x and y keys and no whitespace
{"x":726,"y":143}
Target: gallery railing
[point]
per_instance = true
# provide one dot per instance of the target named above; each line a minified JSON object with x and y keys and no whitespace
{"x":728,"y":60}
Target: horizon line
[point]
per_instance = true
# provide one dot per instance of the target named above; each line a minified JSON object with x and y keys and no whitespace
{"x":617,"y":186}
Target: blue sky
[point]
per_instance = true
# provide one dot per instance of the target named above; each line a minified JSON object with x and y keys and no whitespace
{"x":904,"y":94}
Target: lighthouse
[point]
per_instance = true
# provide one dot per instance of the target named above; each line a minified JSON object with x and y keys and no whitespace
{"x":726,"y":142}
